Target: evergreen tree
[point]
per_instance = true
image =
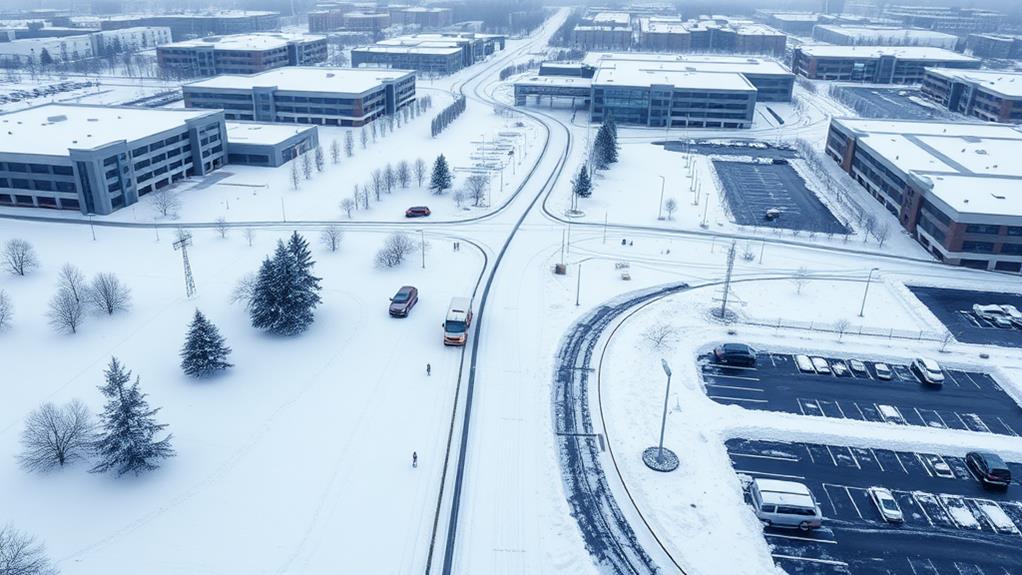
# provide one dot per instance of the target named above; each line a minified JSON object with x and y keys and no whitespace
{"x":205,"y":351}
{"x":612,"y":126}
{"x":286,"y":292}
{"x":441,"y":179}
{"x":128,"y":427}
{"x":45,"y":58}
{"x":605,"y":147}
{"x":583,"y":185}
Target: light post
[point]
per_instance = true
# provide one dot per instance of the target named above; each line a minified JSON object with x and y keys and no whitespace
{"x":578,"y":284}
{"x":660,"y":208}
{"x":422,"y":246}
{"x":862,"y":308}
{"x":657,"y":458}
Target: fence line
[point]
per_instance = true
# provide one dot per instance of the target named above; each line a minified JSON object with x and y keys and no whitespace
{"x":812,"y":326}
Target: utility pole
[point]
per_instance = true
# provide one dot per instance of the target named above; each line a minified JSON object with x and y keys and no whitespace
{"x":422,"y":246}
{"x":660,"y":208}
{"x":185,"y":240}
{"x":727,"y":279}
{"x":658,"y":458}
{"x":604,"y":227}
{"x":578,"y":284}
{"x":706,"y":206}
{"x":862,"y":308}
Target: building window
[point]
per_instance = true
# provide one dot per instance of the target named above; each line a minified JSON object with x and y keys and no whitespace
{"x":978,"y":247}
{"x":982,"y":229}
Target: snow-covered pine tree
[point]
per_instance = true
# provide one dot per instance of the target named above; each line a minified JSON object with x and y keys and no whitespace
{"x":605,"y":150}
{"x":441,"y":179}
{"x":205,"y":351}
{"x":583,"y":185}
{"x":286,"y":292}
{"x":128,"y":428}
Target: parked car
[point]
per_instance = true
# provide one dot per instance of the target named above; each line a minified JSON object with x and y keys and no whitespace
{"x":417,"y":212}
{"x":737,"y":354}
{"x":1013,"y":314}
{"x":403,"y":301}
{"x":857,"y":366}
{"x":805,"y":365}
{"x":995,"y":314}
{"x":891,"y":414}
{"x":886,"y":504}
{"x":940,"y":467}
{"x":928,"y":371}
{"x":839,"y":367}
{"x":820,"y":365}
{"x":785,"y":504}
{"x":771,"y":214}
{"x":883,"y":371}
{"x":990,"y":468}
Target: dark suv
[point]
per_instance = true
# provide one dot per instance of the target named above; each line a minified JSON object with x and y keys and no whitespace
{"x":991,"y":469}
{"x":735,"y":354}
{"x":403,"y":301}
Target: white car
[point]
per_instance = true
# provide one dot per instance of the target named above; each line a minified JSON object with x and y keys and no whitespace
{"x":994,"y":314}
{"x":891,"y":414}
{"x":820,"y":365}
{"x":940,"y":467}
{"x":1013,"y":314}
{"x":804,"y":364}
{"x":839,"y":368}
{"x":857,"y":366}
{"x":883,"y":371}
{"x":886,"y":504}
{"x":928,"y":371}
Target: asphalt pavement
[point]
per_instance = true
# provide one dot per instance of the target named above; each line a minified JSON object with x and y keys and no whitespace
{"x":953,"y":307}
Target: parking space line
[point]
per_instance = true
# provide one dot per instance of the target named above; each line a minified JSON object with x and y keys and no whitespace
{"x":857,"y":408}
{"x":935,"y":412}
{"x":832,"y":456}
{"x":739,"y":388}
{"x":750,"y":472}
{"x":854,"y":504}
{"x":772,"y":362}
{"x":838,"y":405}
{"x":1006,"y":426}
{"x":951,"y":377}
{"x":737,"y":399}
{"x":901,"y":463}
{"x":972,"y":381}
{"x":922,"y":509}
{"x":830,"y":499}
{"x":797,"y":538}
{"x":810,"y":452}
{"x":924,"y":462}
{"x":877,"y":459}
{"x":735,"y":376}
{"x":760,"y":456}
{"x":912,"y":567}
{"x":811,"y":560}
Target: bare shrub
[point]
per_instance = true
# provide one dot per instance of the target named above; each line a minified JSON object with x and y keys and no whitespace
{"x":6,"y":310}
{"x":394,"y":251}
{"x":66,"y":312}
{"x":20,"y":554}
{"x":331,"y":238}
{"x":55,"y":436}
{"x":107,"y":294}
{"x":660,"y":335}
{"x":19,"y":257}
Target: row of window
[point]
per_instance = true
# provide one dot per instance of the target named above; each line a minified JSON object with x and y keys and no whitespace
{"x":141,"y":150}
{"x":42,"y":185}
{"x":36,"y":169}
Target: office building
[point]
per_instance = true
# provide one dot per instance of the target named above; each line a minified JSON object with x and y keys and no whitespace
{"x":874,"y":64}
{"x":985,"y":94}
{"x":953,"y":20}
{"x":98,"y":159}
{"x":365,"y":21}
{"x":956,"y":188}
{"x":883,"y":36}
{"x":323,"y":96}
{"x":994,"y":46}
{"x":794,"y":23}
{"x":421,"y":16}
{"x":270,"y":145}
{"x":196,"y":24}
{"x":242,"y":53}
{"x":429,"y":53}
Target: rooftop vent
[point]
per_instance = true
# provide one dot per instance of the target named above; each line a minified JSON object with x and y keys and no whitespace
{"x":981,"y":151}
{"x":92,"y":120}
{"x":330,"y":74}
{"x":997,"y":197}
{"x":59,"y":118}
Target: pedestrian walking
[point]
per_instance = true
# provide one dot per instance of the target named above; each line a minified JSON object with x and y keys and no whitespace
{"x":429,"y":369}
{"x":415,"y":459}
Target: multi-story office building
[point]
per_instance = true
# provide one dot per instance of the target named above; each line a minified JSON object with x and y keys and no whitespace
{"x":999,"y":46}
{"x":953,"y":20}
{"x":589,"y":37}
{"x":198,"y":24}
{"x":795,"y":23}
{"x":46,"y":50}
{"x":874,"y":64}
{"x":429,"y":53}
{"x":324,"y":96}
{"x":130,"y":39}
{"x":325,"y":21}
{"x":883,"y":36}
{"x":97,"y":159}
{"x":271,"y":145}
{"x":985,"y":94}
{"x":664,"y":35}
{"x":242,"y":53}
{"x":366,"y":21}
{"x":956,"y":188}
{"x":421,"y":16}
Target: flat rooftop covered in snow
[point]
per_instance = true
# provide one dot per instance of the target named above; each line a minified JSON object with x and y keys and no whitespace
{"x":52,"y":129}
{"x":900,"y":52}
{"x":559,"y":81}
{"x":1007,"y":84}
{"x":687,"y":79}
{"x":436,"y":50}
{"x":971,"y":168}
{"x":612,"y":19}
{"x":263,"y":134}
{"x":254,"y":41}
{"x":305,"y":79}
{"x":886,"y":34}
{"x":651,"y":61}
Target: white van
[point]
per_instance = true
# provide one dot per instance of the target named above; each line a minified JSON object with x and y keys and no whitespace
{"x":785,"y":504}
{"x":457,"y":321}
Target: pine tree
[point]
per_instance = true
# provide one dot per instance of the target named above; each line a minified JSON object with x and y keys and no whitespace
{"x":286,"y":292}
{"x":604,"y":149}
{"x":583,"y":185}
{"x":205,"y":351}
{"x":128,"y":427}
{"x":441,"y":179}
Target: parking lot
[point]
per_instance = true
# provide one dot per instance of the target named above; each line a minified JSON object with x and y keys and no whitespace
{"x":893,"y":103}
{"x":968,"y":400}
{"x":753,"y":188}
{"x":953,"y":307}
{"x":952,"y":524}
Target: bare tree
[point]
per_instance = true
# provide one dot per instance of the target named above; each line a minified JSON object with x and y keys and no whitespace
{"x":376,"y":183}
{"x":841,"y":326}
{"x":671,"y":205}
{"x":801,"y":279}
{"x":394,"y":251}
{"x":320,"y":160}
{"x":475,"y":187}
{"x":244,"y":290}
{"x":660,"y":335}
{"x":249,"y":236}
{"x":946,"y":339}
{"x":389,"y":178}
{"x":347,"y":205}
{"x":459,"y":197}
{"x":349,"y":144}
{"x":107,"y":294}
{"x":882,"y":232}
{"x":363,"y":137}
{"x":73,"y":280}
{"x":221,"y":227}
{"x":420,"y":171}
{"x":20,"y":554}
{"x":19,"y":257}
{"x":66,"y":313}
{"x":404,"y":173}
{"x":307,"y":166}
{"x":296,"y":180}
{"x":335,"y":151}
{"x":868,"y":225}
{"x":165,"y":203}
{"x":55,"y":436}
{"x":6,"y":310}
{"x":331,"y":238}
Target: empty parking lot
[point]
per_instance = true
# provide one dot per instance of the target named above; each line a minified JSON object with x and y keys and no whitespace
{"x":895,"y":103}
{"x":752,"y":188}
{"x":968,"y":400}
{"x":952,"y":524}
{"x":953,"y":307}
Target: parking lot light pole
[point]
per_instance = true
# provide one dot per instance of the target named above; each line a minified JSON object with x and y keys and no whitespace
{"x":658,"y":458}
{"x":862,"y":308}
{"x":660,"y":208}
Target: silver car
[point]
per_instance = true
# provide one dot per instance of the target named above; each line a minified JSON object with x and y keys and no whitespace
{"x":785,"y":504}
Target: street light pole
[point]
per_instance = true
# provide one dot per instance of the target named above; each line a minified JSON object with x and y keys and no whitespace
{"x":663,"y":420}
{"x":660,"y":208}
{"x":422,"y":246}
{"x":657,"y":458}
{"x":862,"y":308}
{"x":578,"y":284}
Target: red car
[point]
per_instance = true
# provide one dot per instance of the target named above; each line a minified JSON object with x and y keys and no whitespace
{"x":417,"y":212}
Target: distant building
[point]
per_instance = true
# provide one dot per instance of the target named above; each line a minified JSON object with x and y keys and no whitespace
{"x":795,"y":23}
{"x":953,"y":20}
{"x":874,"y":64}
{"x":270,"y":145}
{"x":71,"y":48}
{"x":197,"y":24}
{"x":716,"y":34}
{"x":955,"y":187}
{"x":366,"y":21}
{"x":996,"y":46}
{"x":297,"y":95}
{"x":98,"y":159}
{"x":604,"y":30}
{"x":985,"y":94}
{"x":242,"y":53}
{"x":423,"y":17}
{"x":883,"y":36}
{"x":438,"y":53}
